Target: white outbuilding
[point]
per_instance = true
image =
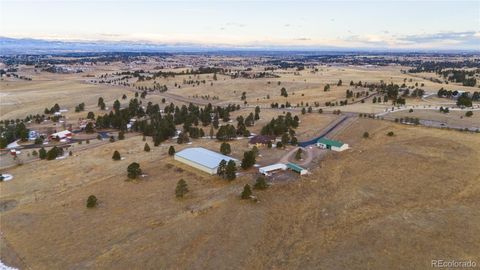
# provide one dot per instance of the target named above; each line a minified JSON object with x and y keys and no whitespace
{"x":202,"y":159}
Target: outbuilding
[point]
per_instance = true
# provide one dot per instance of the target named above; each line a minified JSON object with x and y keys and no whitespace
{"x":202,"y":159}
{"x":272,"y":168}
{"x":261,"y":140}
{"x":296,"y":168}
{"x":325,"y":143}
{"x":61,"y":135}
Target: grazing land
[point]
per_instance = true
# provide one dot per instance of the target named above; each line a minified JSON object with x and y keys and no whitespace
{"x":410,"y":176}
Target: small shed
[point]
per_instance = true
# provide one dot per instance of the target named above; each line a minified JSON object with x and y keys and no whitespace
{"x":338,"y":146}
{"x":296,"y":168}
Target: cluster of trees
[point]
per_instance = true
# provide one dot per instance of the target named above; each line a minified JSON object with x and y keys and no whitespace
{"x":80,"y":107}
{"x":11,"y":131}
{"x":281,"y":125}
{"x":227,"y":170}
{"x":55,"y":108}
{"x":52,"y":154}
{"x":465,"y":77}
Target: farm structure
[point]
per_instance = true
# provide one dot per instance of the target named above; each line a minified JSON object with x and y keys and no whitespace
{"x":338,"y":146}
{"x":261,"y":140}
{"x":202,"y":159}
{"x":296,"y":168}
{"x":61,"y":135}
{"x":267,"y":170}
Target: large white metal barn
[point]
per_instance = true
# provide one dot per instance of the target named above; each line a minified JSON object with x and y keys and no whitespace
{"x":202,"y":159}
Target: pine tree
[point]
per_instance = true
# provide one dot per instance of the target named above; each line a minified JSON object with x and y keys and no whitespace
{"x":298,"y":155}
{"x":171,"y":150}
{"x":146,"y":148}
{"x":121,"y":135}
{"x":261,"y":183}
{"x":231,"y":170}
{"x":116,"y":155}
{"x":222,"y":168}
{"x":133,"y":170}
{"x":181,"y":189}
{"x":91,"y":201}
{"x":42,"y":153}
{"x":247,"y":192}
{"x":248,"y":159}
{"x":225,"y":148}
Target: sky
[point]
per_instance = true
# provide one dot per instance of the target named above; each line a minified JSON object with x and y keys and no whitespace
{"x":341,"y":24}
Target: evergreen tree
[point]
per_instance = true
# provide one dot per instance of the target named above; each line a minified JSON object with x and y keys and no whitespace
{"x":222,"y":168}
{"x":261,"y":183}
{"x":225,"y":148}
{"x":366,"y":135}
{"x":42,"y":153}
{"x":171,"y":150}
{"x":248,"y":159}
{"x":116,"y":155}
{"x":146,"y":148}
{"x":246,"y":193}
{"x":231,"y":170}
{"x":91,"y":201}
{"x":133,"y":170}
{"x":181,"y":188}
{"x":298,"y":154}
{"x":121,"y":135}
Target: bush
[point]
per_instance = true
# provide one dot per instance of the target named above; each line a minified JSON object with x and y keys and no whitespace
{"x":390,"y":133}
{"x":146,"y":148}
{"x":298,"y":154}
{"x":181,"y":188}
{"x":246,"y":193}
{"x":91,"y":201}
{"x":34,"y":153}
{"x":116,"y":155}
{"x":112,"y":139}
{"x":261,"y":183}
{"x":366,"y":135}
{"x":469,"y":114}
{"x":133,"y":170}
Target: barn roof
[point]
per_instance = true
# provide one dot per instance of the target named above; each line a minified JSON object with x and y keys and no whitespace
{"x":204,"y":157}
{"x":330,"y":142}
{"x":263,"y":139}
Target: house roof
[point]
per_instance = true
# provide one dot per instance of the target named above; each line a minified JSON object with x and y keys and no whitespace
{"x":330,"y":142}
{"x":264,"y":139}
{"x":204,"y":157}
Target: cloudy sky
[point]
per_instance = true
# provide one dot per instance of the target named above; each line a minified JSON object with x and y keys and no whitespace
{"x":344,"y":24}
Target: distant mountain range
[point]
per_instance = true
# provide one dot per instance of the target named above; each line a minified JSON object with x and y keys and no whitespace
{"x":11,"y":46}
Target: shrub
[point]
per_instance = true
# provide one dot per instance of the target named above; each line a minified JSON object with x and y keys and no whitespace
{"x":181,"y":188}
{"x":366,"y":135}
{"x":298,"y":154}
{"x":34,"y":153}
{"x":133,"y":170}
{"x":390,"y":133}
{"x":469,"y":114}
{"x":261,"y":183}
{"x":91,"y":201}
{"x":246,"y":193}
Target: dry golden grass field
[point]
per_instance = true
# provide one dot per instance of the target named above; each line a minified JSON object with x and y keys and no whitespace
{"x":389,"y":202}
